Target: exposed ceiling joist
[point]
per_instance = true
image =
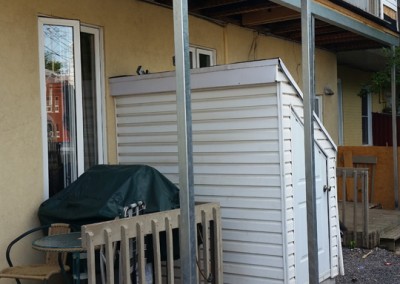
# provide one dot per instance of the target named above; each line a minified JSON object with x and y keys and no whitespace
{"x":272,"y":15}
{"x":201,"y":5}
{"x":281,"y":18}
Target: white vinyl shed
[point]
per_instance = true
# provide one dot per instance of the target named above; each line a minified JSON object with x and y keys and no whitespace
{"x":248,"y":155}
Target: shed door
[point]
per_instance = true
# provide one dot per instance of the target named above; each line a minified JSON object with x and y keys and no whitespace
{"x":300,"y":210}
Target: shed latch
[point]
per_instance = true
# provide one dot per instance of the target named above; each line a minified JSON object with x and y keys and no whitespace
{"x":327,"y":188}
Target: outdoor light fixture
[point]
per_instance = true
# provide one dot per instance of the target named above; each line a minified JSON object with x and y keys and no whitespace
{"x":328,"y":91}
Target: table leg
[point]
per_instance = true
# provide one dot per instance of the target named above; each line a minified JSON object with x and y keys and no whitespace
{"x":76,"y":267}
{"x":61,"y":263}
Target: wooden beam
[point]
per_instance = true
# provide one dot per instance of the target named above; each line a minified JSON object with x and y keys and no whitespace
{"x":272,"y":15}
{"x":242,"y":9}
{"x":201,"y":5}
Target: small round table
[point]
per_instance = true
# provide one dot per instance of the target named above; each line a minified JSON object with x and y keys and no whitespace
{"x":63,"y":243}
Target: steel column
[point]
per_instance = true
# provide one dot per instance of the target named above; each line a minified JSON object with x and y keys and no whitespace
{"x":185,"y":152}
{"x":308,"y":50}
{"x":394,"y":134}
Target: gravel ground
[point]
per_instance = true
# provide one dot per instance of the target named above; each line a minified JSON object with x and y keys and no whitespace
{"x":370,"y":266}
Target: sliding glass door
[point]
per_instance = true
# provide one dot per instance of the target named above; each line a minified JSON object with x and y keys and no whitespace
{"x":71,"y":100}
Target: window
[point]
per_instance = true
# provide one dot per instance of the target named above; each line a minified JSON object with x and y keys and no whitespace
{"x":366,"y":119}
{"x":200,"y":57}
{"x":318,"y":106}
{"x":70,"y":79}
{"x":56,"y":104}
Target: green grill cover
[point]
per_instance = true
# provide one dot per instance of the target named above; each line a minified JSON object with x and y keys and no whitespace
{"x":101,"y":193}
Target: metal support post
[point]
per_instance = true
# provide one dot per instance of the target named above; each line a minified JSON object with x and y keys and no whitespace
{"x":185,"y":152}
{"x":394,"y":131}
{"x":308,"y":46}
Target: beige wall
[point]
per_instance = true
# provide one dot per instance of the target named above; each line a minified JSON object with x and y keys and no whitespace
{"x":352,"y":82}
{"x":135,"y":33}
{"x":247,"y":45}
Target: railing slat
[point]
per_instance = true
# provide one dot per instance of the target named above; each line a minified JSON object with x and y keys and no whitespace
{"x":206,"y":243}
{"x":109,"y":256}
{"x":141,"y":253}
{"x":217,"y":234}
{"x":366,"y":207}
{"x":344,"y":198}
{"x":156,"y":252}
{"x":91,"y":262}
{"x":355,"y":207}
{"x":170,"y":251}
{"x":125,"y":255}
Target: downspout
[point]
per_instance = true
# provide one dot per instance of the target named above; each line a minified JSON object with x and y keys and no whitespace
{"x":308,"y":46}
{"x":185,"y":148}
{"x":394,"y":134}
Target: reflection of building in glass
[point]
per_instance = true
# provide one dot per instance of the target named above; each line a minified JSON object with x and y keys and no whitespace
{"x":57,"y":88}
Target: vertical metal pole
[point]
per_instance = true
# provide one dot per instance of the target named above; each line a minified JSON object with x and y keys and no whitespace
{"x":394,"y":132}
{"x":344,"y":196}
{"x":355,"y":200}
{"x":340,"y":112}
{"x":185,"y":152}
{"x":307,"y":35}
{"x":365,"y":208}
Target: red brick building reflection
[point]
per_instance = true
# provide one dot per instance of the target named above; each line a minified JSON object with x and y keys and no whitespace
{"x":57,"y":91}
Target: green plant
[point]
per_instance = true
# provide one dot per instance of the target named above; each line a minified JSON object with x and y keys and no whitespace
{"x":381,"y":81}
{"x":352,"y":244}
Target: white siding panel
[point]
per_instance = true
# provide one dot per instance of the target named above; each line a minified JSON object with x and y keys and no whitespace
{"x":236,"y":163}
{"x":254,"y":270}
{"x":251,"y":237}
{"x":253,"y":248}
{"x":254,"y":203}
{"x":258,"y":226}
{"x":255,"y":259}
{"x":237,"y":143}
{"x":233,"y":278}
{"x":252,"y":214}
{"x":253,"y":180}
{"x":239,"y":191}
{"x":292,"y":101}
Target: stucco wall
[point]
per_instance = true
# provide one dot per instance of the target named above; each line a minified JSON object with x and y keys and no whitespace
{"x":352,"y":82}
{"x":247,"y":45}
{"x":135,"y":33}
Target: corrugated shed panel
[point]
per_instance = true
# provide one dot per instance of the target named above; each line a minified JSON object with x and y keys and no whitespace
{"x":292,"y":102}
{"x":236,"y":162}
{"x":288,"y":99}
{"x":326,"y":143}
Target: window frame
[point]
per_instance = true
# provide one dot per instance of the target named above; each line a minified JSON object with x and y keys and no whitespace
{"x":319,"y":101}
{"x":100,"y":91}
{"x":368,"y":117}
{"x":196,"y":51}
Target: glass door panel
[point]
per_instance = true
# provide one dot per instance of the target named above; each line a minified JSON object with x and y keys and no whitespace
{"x":60,"y":95}
{"x":89,"y":96}
{"x":71,"y":101}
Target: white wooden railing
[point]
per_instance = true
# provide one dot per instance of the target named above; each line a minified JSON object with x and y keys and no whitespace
{"x":128,"y":232}
{"x":370,"y":6}
{"x":378,"y":8}
{"x":359,"y":178}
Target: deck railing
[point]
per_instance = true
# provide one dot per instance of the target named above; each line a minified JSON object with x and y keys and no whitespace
{"x":132,"y":234}
{"x":358,"y":176}
{"x":370,"y":6}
